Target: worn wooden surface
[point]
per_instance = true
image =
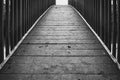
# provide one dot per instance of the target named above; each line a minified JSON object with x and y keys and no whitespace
{"x":60,"y":47}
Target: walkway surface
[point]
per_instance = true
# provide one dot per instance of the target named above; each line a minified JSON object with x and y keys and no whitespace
{"x":60,"y":47}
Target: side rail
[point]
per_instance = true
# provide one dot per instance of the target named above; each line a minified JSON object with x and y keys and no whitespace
{"x":104,"y":17}
{"x":16,"y":18}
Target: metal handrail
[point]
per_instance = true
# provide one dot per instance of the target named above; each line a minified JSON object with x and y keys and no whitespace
{"x":16,"y":18}
{"x":104,"y":18}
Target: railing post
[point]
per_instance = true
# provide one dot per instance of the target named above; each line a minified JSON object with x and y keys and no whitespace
{"x":118,"y":36}
{"x":1,"y":32}
{"x":114,"y":29}
{"x":98,"y":17}
{"x":109,"y":24}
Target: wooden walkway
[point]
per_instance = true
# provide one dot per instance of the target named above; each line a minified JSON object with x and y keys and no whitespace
{"x":60,"y":47}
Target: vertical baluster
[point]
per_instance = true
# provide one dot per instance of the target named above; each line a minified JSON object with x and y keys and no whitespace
{"x":20,"y":16}
{"x":106,"y":22}
{"x":23,"y":18}
{"x":119,"y":32}
{"x":18,"y":19}
{"x":6,"y":28}
{"x":12,"y":25}
{"x":95,"y":16}
{"x":102,"y":20}
{"x":114,"y":29}
{"x":109,"y":24}
{"x":17,"y":22}
{"x":1,"y":32}
{"x":98,"y":17}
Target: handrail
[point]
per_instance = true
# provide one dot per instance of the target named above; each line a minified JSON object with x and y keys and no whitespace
{"x":16,"y":18}
{"x":104,"y":18}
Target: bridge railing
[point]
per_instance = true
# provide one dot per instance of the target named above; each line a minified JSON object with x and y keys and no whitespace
{"x":16,"y":18}
{"x":104,"y":17}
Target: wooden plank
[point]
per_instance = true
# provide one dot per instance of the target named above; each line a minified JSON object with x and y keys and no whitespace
{"x":16,"y":68}
{"x":57,"y":67}
{"x":15,"y":77}
{"x":60,"y":37}
{"x":78,"y":53}
{"x":75,"y":77}
{"x":68,"y":40}
{"x":62,"y":28}
{"x":62,"y":46}
{"x":87,"y":60}
{"x":58,"y":77}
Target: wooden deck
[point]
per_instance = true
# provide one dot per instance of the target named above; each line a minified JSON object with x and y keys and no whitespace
{"x":60,"y":47}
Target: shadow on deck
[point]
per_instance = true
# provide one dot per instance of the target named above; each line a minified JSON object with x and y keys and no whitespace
{"x":60,"y":47}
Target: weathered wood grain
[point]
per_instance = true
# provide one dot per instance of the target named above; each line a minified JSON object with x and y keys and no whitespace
{"x":60,"y":47}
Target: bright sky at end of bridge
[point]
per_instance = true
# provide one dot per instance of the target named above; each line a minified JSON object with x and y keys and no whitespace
{"x":61,"y":2}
